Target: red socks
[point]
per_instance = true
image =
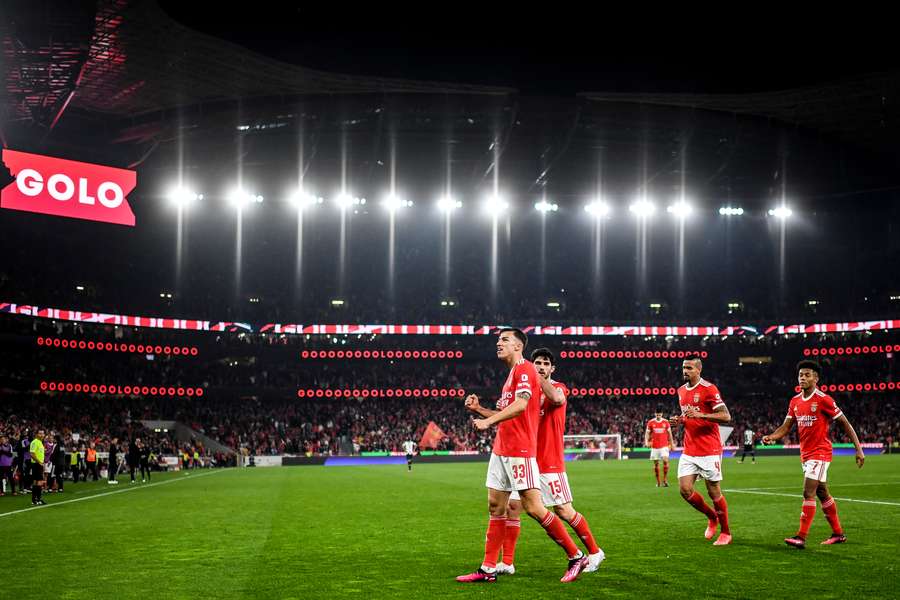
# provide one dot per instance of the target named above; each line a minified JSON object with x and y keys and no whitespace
{"x":557,"y":532}
{"x":656,"y":470}
{"x":513,"y":528}
{"x":722,"y":513}
{"x":696,"y":500}
{"x":495,"y":534}
{"x":806,"y":517}
{"x":580,"y":525}
{"x":830,"y":510}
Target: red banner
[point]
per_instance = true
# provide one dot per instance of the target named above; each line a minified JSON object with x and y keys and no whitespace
{"x":67,"y":188}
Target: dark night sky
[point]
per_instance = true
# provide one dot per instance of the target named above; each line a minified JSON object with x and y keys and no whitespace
{"x":550,"y":59}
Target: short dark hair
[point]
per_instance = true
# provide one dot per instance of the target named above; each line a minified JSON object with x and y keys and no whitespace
{"x":543,"y":353}
{"x":811,"y":365}
{"x":520,"y":335}
{"x":659,"y":410}
{"x":694,"y":357}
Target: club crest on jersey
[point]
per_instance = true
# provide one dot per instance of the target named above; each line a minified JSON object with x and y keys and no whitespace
{"x":813,"y":407}
{"x":696,"y":398}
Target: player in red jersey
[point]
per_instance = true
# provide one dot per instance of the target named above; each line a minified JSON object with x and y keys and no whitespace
{"x":702,"y":410}
{"x":813,"y":411}
{"x":513,"y":465}
{"x":555,"y":490}
{"x":658,"y":436}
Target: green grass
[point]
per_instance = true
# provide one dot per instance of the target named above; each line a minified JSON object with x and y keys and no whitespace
{"x":378,"y":532}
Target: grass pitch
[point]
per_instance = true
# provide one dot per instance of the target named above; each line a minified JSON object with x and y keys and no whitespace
{"x":381,"y":532}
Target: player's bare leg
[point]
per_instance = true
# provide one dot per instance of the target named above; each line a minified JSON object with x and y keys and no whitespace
{"x":665,"y":479}
{"x":656,"y":472}
{"x":692,"y":497}
{"x":487,"y":572}
{"x":576,"y":521}
{"x":830,"y":509}
{"x":810,"y":488}
{"x":534,"y":506}
{"x":513,"y":527}
{"x":714,"y":489}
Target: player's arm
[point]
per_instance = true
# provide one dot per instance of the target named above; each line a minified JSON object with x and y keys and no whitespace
{"x":647,"y":436}
{"x":472,"y":404}
{"x":719,"y":415}
{"x":851,"y":433}
{"x":671,"y":440}
{"x":780,"y":432}
{"x":516,"y":408}
{"x":552,"y":393}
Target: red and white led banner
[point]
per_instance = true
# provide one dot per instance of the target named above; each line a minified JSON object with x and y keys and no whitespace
{"x":68,"y":188}
{"x":382,"y":393}
{"x":55,"y":342}
{"x":380,"y":354}
{"x":833,"y":327}
{"x":615,"y":354}
{"x":436,"y":330}
{"x":578,"y":330}
{"x":103,"y":389}
{"x":580,"y":392}
{"x":879,"y":386}
{"x":852,"y":350}
{"x":77,"y":316}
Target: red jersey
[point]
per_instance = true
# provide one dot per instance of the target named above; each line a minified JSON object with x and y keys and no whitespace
{"x":518,"y":436}
{"x":701,"y":437}
{"x":813,"y":416}
{"x":659,"y":433}
{"x":551,"y":429}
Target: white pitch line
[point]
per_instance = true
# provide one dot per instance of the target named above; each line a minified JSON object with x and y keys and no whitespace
{"x":830,"y":485}
{"x":801,"y":495}
{"x":122,"y":491}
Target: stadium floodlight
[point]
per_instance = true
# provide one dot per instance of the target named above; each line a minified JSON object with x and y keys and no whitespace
{"x":447,"y":204}
{"x":494,"y":205}
{"x":643,"y":209}
{"x":895,"y":298}
{"x":680,"y":210}
{"x":553,"y":305}
{"x":598,"y":208}
{"x":303,"y":199}
{"x":345,"y":201}
{"x":337,"y":302}
{"x":731,"y":211}
{"x":181,"y":196}
{"x":813,"y":302}
{"x":781,"y":212}
{"x":240,"y":198}
{"x":448,"y":303}
{"x":393,"y":203}
{"x":544,"y":207}
{"x":80,"y":288}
